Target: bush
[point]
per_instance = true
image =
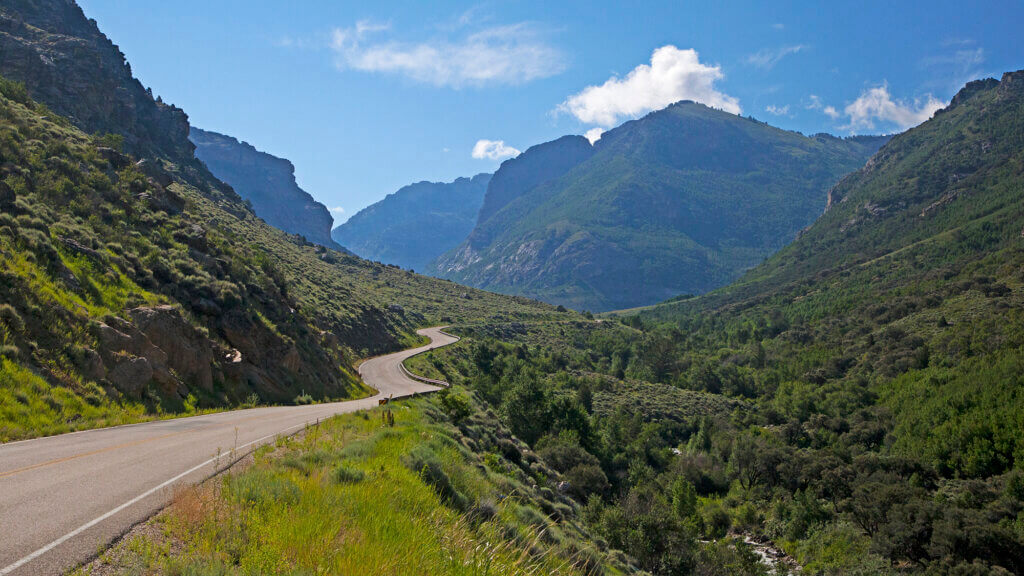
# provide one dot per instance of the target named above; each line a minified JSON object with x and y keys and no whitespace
{"x":716,"y":520}
{"x":10,"y":318}
{"x":425,"y":462}
{"x":455,"y":404}
{"x":586,"y":479}
{"x":346,"y":475}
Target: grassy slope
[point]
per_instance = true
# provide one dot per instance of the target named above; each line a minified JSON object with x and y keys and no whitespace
{"x":306,"y":313}
{"x":899,"y":310}
{"x":355,"y":497}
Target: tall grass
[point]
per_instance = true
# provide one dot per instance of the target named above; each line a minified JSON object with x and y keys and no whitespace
{"x":348,"y":499}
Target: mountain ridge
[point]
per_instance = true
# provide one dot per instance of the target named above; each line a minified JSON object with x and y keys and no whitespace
{"x":682,"y":200}
{"x":414,"y":225}
{"x":268,"y":182}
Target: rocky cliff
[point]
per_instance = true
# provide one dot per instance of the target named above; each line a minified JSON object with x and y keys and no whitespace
{"x":68,"y":64}
{"x":268,"y":182}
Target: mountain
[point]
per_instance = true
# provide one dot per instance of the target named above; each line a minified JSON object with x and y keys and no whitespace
{"x":680,"y":201}
{"x":885,"y":347}
{"x":416,"y":224}
{"x":133,"y":283}
{"x":525,"y":172}
{"x":66,"y":62}
{"x":268,"y":182}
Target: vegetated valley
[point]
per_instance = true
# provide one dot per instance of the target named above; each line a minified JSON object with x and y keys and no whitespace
{"x":852,"y":405}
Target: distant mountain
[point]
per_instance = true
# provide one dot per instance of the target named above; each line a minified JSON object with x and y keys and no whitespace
{"x":680,"y":201}
{"x":268,"y":182}
{"x":415,"y":225}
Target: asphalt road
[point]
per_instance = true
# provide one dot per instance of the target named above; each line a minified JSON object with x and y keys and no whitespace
{"x":64,"y":498}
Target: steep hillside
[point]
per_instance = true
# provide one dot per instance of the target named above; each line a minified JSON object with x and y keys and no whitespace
{"x":268,"y":182}
{"x":140,"y":285}
{"x":885,"y":347}
{"x":66,"y":62}
{"x":681,"y":201}
{"x":540,"y":163}
{"x":416,"y":224}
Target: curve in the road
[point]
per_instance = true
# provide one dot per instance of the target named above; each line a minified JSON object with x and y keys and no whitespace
{"x":63,"y":497}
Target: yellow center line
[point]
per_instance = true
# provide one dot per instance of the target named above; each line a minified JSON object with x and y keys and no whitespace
{"x":119,"y":446}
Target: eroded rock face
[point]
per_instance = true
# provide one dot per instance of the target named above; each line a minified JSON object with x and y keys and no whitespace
{"x":131,"y":376}
{"x":187,"y":351}
{"x":66,"y":62}
{"x":268,"y":182}
{"x":157,"y":346}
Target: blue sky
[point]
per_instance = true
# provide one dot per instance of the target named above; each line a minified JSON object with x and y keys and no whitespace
{"x":367,"y":97}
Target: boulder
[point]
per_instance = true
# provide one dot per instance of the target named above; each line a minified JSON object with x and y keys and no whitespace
{"x":186,"y":351}
{"x":131,"y":376}
{"x":113,"y":157}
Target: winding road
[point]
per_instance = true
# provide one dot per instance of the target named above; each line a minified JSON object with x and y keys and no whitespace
{"x":64,"y":498}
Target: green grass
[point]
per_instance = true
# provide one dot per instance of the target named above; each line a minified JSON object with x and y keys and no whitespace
{"x":355,"y":497}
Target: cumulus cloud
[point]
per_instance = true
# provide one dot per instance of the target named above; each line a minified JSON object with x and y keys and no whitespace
{"x":337,"y":210}
{"x":777,"y":110}
{"x":877,"y":105}
{"x":767,"y":59}
{"x":816,"y":104}
{"x":493,"y":150}
{"x":672,"y":75}
{"x":594,"y":134}
{"x":502,"y":55}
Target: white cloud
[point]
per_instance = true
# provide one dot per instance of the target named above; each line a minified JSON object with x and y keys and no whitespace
{"x":673,"y":75}
{"x":493,"y":150}
{"x":767,"y":59}
{"x":594,"y":134}
{"x":877,"y":105}
{"x":502,"y":55}
{"x":337,"y":210}
{"x":777,"y":110}
{"x":817,"y":104}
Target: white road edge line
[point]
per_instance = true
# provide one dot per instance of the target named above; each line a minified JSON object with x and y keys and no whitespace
{"x":144,"y":495}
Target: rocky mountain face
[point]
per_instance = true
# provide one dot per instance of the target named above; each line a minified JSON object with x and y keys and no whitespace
{"x":68,"y":64}
{"x":518,"y":176}
{"x":413,"y":226}
{"x":681,"y":201}
{"x":268,"y":182}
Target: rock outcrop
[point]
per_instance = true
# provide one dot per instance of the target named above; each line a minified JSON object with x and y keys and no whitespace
{"x":66,"y":62}
{"x":268,"y":182}
{"x":157,"y":346}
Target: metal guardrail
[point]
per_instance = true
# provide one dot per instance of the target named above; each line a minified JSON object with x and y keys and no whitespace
{"x":424,"y":379}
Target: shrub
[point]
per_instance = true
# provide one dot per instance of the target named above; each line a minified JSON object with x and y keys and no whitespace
{"x":10,"y":318}
{"x":456,"y":405}
{"x":586,"y":479}
{"x":425,"y":462}
{"x":346,"y":475}
{"x":716,"y":520}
